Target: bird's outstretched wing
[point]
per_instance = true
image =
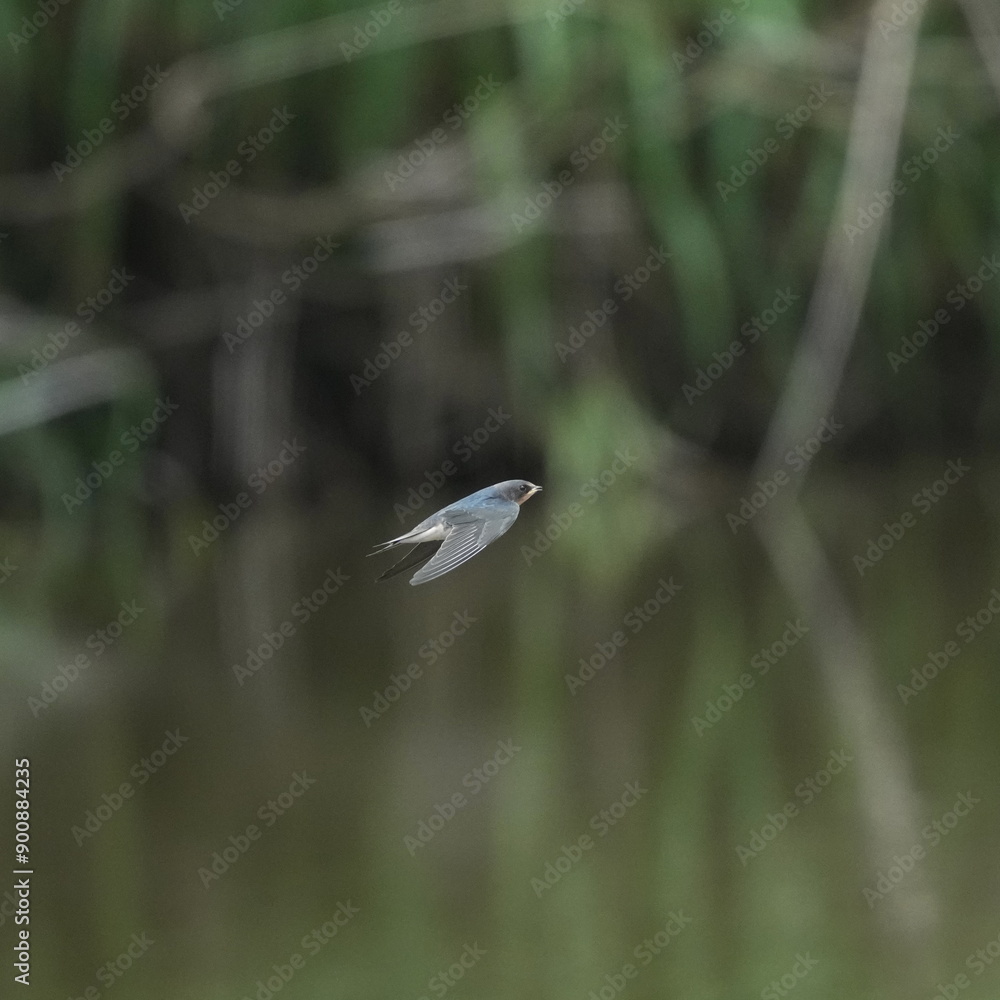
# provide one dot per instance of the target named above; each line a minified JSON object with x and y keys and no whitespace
{"x":417,"y":555}
{"x":466,"y":538}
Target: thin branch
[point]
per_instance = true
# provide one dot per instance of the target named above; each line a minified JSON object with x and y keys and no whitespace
{"x":845,"y":272}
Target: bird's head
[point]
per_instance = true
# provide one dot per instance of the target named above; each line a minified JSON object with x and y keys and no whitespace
{"x":517,"y":490}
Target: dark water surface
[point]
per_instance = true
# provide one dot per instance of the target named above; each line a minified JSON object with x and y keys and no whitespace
{"x":611,"y":767}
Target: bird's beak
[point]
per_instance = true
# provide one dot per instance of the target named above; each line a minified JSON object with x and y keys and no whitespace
{"x":527,"y":496}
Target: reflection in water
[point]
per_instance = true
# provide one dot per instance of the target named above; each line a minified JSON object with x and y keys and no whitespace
{"x":556,"y":772}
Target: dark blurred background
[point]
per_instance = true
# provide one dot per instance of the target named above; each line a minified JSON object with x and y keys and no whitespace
{"x":717,"y":717}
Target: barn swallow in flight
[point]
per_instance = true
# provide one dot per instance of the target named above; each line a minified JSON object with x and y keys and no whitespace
{"x":459,"y":531}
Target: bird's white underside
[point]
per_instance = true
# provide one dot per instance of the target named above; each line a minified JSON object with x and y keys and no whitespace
{"x":435,"y":533}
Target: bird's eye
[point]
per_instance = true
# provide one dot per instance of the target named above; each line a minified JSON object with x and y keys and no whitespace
{"x":524,"y":489}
